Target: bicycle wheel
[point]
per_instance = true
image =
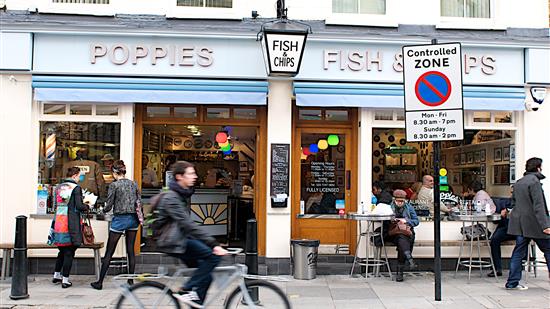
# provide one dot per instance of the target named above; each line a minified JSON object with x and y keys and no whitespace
{"x":268,"y":296}
{"x":148,"y":294}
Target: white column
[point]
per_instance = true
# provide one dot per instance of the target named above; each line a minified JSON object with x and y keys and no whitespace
{"x":279,"y":131}
{"x":365,"y":166}
{"x":18,"y":178}
{"x":536,"y":139}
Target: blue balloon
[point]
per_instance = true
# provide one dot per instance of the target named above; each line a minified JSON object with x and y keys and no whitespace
{"x":373,"y":200}
{"x":313,"y":148}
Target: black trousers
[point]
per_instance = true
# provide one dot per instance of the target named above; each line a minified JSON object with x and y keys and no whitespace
{"x":65,"y":260}
{"x":403,"y":244}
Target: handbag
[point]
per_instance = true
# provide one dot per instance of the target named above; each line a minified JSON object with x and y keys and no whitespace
{"x":88,"y":237}
{"x":475,"y":231}
{"x":399,"y":227}
{"x":139,"y":206}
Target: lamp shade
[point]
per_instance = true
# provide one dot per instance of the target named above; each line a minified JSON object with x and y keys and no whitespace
{"x":223,"y":144}
{"x":313,"y":148}
{"x":333,"y":140}
{"x":221,"y":137}
{"x":303,"y":156}
{"x":322,"y":144}
{"x":226,"y":148}
{"x":306,"y":151}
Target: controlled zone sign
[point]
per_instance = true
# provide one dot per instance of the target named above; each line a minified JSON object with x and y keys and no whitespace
{"x":432,"y":76}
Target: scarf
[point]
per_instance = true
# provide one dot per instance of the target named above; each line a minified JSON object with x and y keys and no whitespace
{"x":184,"y":193}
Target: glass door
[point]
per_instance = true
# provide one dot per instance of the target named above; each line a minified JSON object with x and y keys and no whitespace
{"x":324,"y":185}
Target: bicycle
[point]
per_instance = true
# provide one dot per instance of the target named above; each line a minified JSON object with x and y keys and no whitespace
{"x":252,"y":290}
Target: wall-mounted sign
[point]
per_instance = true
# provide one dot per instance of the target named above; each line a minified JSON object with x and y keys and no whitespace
{"x":283,"y":46}
{"x":280,"y":168}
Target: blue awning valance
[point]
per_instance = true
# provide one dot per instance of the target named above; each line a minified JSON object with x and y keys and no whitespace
{"x":149,"y":90}
{"x":391,"y":96}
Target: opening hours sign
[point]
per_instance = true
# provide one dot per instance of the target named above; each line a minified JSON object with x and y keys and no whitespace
{"x":432,"y":76}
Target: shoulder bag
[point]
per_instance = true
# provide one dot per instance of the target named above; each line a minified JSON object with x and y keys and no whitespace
{"x":88,"y":237}
{"x":399,"y":227}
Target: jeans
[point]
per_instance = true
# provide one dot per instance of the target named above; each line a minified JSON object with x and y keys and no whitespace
{"x":498,"y":237}
{"x":403,"y":244}
{"x":198,"y":254}
{"x":65,"y":259}
{"x":520,"y":251}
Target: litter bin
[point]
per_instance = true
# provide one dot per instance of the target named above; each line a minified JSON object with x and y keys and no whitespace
{"x":303,"y":253}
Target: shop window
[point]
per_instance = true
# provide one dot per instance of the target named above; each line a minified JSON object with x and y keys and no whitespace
{"x":206,"y":3}
{"x":503,"y":117}
{"x":482,"y":116}
{"x":158,"y":111}
{"x":81,"y":109}
{"x":90,"y":146}
{"x":106,"y":110}
{"x":336,"y":115}
{"x":466,"y":8}
{"x":217,"y":113}
{"x":383,"y":115}
{"x":359,"y":6}
{"x":244,"y":113}
{"x":310,"y":114}
{"x":55,"y":109}
{"x":185,"y":112}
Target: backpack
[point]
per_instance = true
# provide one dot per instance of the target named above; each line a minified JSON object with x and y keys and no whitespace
{"x":152,"y":222}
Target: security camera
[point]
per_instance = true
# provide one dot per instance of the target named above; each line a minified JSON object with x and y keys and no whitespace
{"x":532,"y":106}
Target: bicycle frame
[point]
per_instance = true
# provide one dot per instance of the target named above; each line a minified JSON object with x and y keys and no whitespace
{"x":236,"y":272}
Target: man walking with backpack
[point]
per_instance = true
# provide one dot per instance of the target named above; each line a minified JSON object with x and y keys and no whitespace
{"x":180,"y":237}
{"x":529,"y":220}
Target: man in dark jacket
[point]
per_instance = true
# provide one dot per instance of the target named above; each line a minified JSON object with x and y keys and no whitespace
{"x":181,"y":237}
{"x":383,"y":195}
{"x":529,"y":220}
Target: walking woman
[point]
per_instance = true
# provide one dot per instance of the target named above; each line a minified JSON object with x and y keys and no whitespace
{"x":66,"y":232}
{"x":122,"y":198}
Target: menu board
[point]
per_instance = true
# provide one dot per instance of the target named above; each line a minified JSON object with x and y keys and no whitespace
{"x":323,"y":178}
{"x":280,"y":167}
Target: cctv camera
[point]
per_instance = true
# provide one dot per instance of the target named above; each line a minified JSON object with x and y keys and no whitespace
{"x":531,"y":106}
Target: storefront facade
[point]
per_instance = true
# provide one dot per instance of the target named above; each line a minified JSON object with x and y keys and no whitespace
{"x":122,"y":86}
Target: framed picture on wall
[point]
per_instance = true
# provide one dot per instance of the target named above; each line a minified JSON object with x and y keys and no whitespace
{"x":470,"y":157}
{"x":340,"y":181}
{"x":512,"y":153}
{"x":512,"y":172}
{"x":482,"y":155}
{"x":497,"y":157}
{"x":506,"y":154}
{"x":340,"y":165}
{"x":456,"y":178}
{"x":243,"y":166}
{"x":462,"y":158}
{"x":443,"y":159}
{"x":482,"y":169}
{"x":456,"y":159}
{"x":477,"y":158}
{"x":501,"y":174}
{"x":482,"y":180}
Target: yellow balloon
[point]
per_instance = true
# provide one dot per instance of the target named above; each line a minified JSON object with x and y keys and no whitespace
{"x":322,"y":144}
{"x":442,"y":172}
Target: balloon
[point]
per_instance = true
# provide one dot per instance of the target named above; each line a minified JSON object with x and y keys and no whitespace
{"x":313,"y":148}
{"x":322,"y":144}
{"x":373,"y":200}
{"x":221,"y":137}
{"x":306,"y":151}
{"x":333,"y":140}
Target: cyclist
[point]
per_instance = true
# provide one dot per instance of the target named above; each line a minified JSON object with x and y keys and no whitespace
{"x":180,"y":237}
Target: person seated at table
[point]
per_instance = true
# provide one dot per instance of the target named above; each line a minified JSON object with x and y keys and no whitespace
{"x":481,"y":198}
{"x":383,"y":195}
{"x":412,"y":191}
{"x":405,"y":213}
{"x":500,"y":235}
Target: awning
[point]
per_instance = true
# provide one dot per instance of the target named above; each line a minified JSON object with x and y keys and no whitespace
{"x":391,"y":96}
{"x":148,"y":90}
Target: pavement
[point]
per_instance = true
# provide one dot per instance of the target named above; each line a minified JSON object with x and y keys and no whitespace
{"x":335,"y":291}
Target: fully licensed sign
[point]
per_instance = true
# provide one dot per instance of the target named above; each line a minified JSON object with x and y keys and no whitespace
{"x":432,"y":77}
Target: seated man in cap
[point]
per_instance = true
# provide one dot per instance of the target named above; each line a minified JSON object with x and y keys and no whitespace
{"x":403,"y":238}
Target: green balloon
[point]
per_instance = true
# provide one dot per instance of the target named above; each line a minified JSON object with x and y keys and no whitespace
{"x":333,"y":140}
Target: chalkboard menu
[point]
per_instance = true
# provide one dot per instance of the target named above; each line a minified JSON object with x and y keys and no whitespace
{"x":280,"y":167}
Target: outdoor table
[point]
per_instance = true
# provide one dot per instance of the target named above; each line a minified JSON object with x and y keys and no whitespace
{"x":474,"y":218}
{"x":376,"y":261}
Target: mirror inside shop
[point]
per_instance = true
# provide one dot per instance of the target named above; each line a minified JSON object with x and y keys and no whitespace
{"x":484,"y":159}
{"x":224,"y":158}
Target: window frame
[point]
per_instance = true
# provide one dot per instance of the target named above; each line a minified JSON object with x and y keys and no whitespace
{"x":389,"y":19}
{"x":492,"y":22}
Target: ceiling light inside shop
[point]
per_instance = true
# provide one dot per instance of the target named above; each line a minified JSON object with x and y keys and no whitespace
{"x":81,"y":143}
{"x":109,"y":145}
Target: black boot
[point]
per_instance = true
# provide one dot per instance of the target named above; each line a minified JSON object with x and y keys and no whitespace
{"x":399,"y":274}
{"x":410,"y":262}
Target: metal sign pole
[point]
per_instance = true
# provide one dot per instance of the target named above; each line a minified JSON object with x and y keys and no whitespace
{"x":437,"y":217}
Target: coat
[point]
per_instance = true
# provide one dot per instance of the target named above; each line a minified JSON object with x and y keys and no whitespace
{"x":176,"y":225}
{"x":529,"y":215}
{"x":67,"y":223}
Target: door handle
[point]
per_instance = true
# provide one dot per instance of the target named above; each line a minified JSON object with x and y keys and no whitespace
{"x":348,"y":180}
